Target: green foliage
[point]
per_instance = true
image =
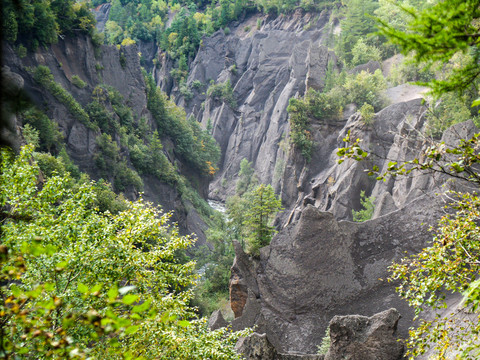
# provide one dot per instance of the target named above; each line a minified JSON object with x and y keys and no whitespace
{"x":113,"y":167}
{"x":21,"y":51}
{"x":366,"y":88}
{"x":438,"y":33}
{"x":78,"y":82}
{"x":193,"y":143}
{"x":449,"y":110}
{"x":44,"y":77}
{"x":444,"y":33}
{"x":186,"y":92}
{"x":212,"y":291}
{"x":325,"y":345}
{"x":314,"y":105}
{"x":197,"y":84}
{"x":246,"y":178}
{"x":263,"y":205}
{"x":300,"y":132}
{"x":31,"y":135}
{"x":363,"y":53}
{"x":368,"y":208}
{"x":40,"y":22}
{"x":407,"y":70}
{"x":71,"y":259}
{"x":356,"y":25}
{"x":368,"y":113}
{"x":222,"y":92}
{"x":150,"y":159}
{"x":449,"y":264}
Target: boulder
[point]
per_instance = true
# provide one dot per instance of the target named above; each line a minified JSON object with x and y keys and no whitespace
{"x":258,"y":347}
{"x":355,"y":337}
{"x":217,"y":321}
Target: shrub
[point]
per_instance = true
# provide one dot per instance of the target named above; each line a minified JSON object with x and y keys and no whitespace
{"x":78,"y":82}
{"x":366,"y":88}
{"x":368,"y":208}
{"x":186,"y":92}
{"x":222,"y":92}
{"x":197,"y":84}
{"x":300,"y":133}
{"x":247,"y":28}
{"x":325,"y":345}
{"x":21,"y":51}
{"x":450,"y":109}
{"x":367,"y":112}
{"x":226,"y":31}
{"x":50,"y":137}
{"x":363,"y":53}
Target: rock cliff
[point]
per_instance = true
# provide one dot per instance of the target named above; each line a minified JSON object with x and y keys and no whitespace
{"x":265,"y":66}
{"x":78,"y":56}
{"x":317,"y":266}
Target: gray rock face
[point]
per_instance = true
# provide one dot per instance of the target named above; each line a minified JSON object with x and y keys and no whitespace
{"x":257,"y":347}
{"x":355,"y":337}
{"x":265,"y":67}
{"x":77,"y":56}
{"x":319,"y":267}
{"x":101,"y":15}
{"x":268,"y":66}
{"x":216,"y":321}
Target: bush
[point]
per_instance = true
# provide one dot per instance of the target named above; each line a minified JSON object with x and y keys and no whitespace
{"x":186,"y":92}
{"x":448,"y":110}
{"x":326,"y":342}
{"x":368,"y":208}
{"x":197,"y":84}
{"x":300,"y":133}
{"x":366,"y":88}
{"x":78,"y":82}
{"x":222,"y":92}
{"x":367,"y":113}
{"x":193,"y":143}
{"x":363,"y":53}
{"x":21,"y":51}
{"x":50,"y":137}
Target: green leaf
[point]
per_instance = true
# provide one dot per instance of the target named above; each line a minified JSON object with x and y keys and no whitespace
{"x":112,"y":293}
{"x":142,"y":307}
{"x":184,"y":323}
{"x":129,"y":299}
{"x":83,"y":289}
{"x":132,"y":329}
{"x":476,"y":102}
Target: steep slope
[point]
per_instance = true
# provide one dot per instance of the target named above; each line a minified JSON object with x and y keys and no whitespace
{"x":265,"y":67}
{"x":119,"y":69}
{"x":316,"y":266}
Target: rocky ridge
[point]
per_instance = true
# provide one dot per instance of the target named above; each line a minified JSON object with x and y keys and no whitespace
{"x":317,"y":266}
{"x":78,"y":56}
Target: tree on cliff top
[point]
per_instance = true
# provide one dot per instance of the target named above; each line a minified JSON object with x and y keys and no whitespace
{"x":451,"y":263}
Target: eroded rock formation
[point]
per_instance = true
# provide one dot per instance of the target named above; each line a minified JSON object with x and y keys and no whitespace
{"x":357,"y":337}
{"x":77,"y":56}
